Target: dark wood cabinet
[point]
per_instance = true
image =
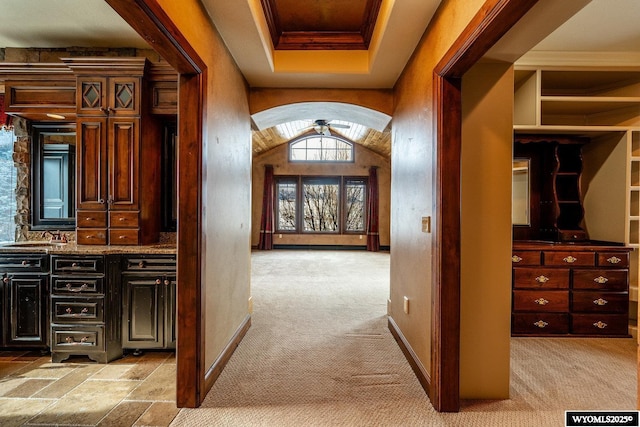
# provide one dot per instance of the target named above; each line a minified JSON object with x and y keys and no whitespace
{"x":118,"y":153}
{"x":570,"y":289}
{"x":85,"y":308}
{"x":24,"y":293}
{"x":149,"y":291}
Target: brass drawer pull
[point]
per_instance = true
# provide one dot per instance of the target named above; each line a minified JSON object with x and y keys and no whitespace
{"x":614,"y":260}
{"x":541,"y":301}
{"x":542,"y":279}
{"x":600,"y":301}
{"x":570,"y":259}
{"x":600,"y":324}
{"x":541,"y":324}
{"x":601,"y":280}
{"x":516,"y":258}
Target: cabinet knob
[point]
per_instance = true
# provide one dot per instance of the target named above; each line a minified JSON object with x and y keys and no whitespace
{"x":167,"y":282}
{"x":25,"y":262}
{"x":542,"y":279}
{"x":600,"y":324}
{"x":101,"y":201}
{"x":6,"y":280}
{"x":570,"y":259}
{"x":614,"y":260}
{"x":601,"y":280}
{"x":600,"y":301}
{"x":541,"y":301}
{"x":158,"y":281}
{"x":540,"y":324}
{"x":516,"y":258}
{"x":142,"y":264}
{"x":74,"y":264}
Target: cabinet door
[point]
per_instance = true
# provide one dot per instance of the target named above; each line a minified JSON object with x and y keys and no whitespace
{"x":143,"y":311}
{"x":123,"y":149}
{"x":91,"y":96}
{"x":91,"y":155}
{"x":27,"y":302}
{"x":124,"y":96}
{"x":170,"y":312}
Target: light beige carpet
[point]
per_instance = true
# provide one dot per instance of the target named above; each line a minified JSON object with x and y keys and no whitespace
{"x":319,"y":354}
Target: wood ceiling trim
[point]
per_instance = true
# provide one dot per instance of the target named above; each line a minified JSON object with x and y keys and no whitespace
{"x":321,"y":40}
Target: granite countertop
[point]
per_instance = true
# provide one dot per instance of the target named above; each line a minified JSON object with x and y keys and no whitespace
{"x":73,"y":248}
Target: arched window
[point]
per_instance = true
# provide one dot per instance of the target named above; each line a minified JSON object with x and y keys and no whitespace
{"x":320,"y":148}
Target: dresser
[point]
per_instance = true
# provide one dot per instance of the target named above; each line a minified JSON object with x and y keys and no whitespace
{"x":570,"y":289}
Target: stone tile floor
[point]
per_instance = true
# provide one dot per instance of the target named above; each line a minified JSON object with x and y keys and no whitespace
{"x":132,"y":391}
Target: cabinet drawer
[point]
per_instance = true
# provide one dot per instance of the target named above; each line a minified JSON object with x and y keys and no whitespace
{"x":600,"y":302}
{"x":91,"y":219}
{"x":526,"y":258}
{"x":611,"y":280}
{"x":567,"y":258}
{"x":65,"y":310}
{"x":84,"y":264}
{"x":123,"y":236}
{"x":613,"y":259}
{"x":91,"y":236}
{"x":540,"y":323}
{"x":85,"y":338}
{"x":77,"y":286}
{"x":547,"y":278}
{"x":148,"y":263}
{"x":123,"y":219}
{"x":557,"y":301}
{"x":24,"y":263}
{"x":600,"y":324}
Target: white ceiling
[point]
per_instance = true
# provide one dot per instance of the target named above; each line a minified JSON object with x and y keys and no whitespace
{"x":603,"y":25}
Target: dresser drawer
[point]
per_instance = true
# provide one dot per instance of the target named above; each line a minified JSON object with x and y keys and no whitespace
{"x":78,"y":310}
{"x":91,"y":219}
{"x":24,"y":263}
{"x":85,"y":338}
{"x":600,"y":324}
{"x":77,"y":286}
{"x":123,"y":236}
{"x":600,"y":302}
{"x":526,"y":258}
{"x":80,"y":264}
{"x":613,"y":259}
{"x":604,"y":279}
{"x":547,"y":278}
{"x":541,"y":301}
{"x":123,"y":219}
{"x":91,"y":236}
{"x":540,"y":323}
{"x":566,"y":258}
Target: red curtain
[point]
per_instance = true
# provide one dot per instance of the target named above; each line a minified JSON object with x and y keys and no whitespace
{"x":373,"y":237}
{"x":266,"y":223}
{"x":4,"y":120}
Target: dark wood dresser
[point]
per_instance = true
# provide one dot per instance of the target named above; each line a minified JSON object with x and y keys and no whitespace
{"x":570,"y":289}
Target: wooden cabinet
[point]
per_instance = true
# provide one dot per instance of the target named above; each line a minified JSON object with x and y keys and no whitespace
{"x":149,"y":288}
{"x":24,"y":292}
{"x":565,"y":289}
{"x":118,"y":153}
{"x":85,"y":309}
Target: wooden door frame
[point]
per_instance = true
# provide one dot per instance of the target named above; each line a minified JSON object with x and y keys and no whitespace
{"x":493,"y":20}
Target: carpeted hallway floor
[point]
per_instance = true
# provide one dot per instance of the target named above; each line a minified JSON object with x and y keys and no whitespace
{"x":319,"y":354}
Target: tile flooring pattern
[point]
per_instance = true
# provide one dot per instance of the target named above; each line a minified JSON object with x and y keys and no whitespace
{"x":132,"y":391}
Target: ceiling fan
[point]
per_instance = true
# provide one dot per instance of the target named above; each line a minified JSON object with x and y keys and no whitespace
{"x":323,"y":126}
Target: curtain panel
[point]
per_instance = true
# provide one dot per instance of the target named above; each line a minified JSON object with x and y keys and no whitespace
{"x":266,"y":222}
{"x":373,"y":235}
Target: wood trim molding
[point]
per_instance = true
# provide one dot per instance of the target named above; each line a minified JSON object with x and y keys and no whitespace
{"x":413,"y":359}
{"x":216,"y":369}
{"x":491,"y":22}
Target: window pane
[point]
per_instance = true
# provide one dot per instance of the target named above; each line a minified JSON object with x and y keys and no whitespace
{"x":320,"y":206}
{"x":322,"y":148}
{"x":7,"y":186}
{"x":354,"y":204}
{"x":298,"y":154}
{"x":286,"y":220}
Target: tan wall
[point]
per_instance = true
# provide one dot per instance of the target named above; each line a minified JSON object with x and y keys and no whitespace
{"x":278,"y":157}
{"x":226,"y":177}
{"x":485,"y":272}
{"x":412,"y":166}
